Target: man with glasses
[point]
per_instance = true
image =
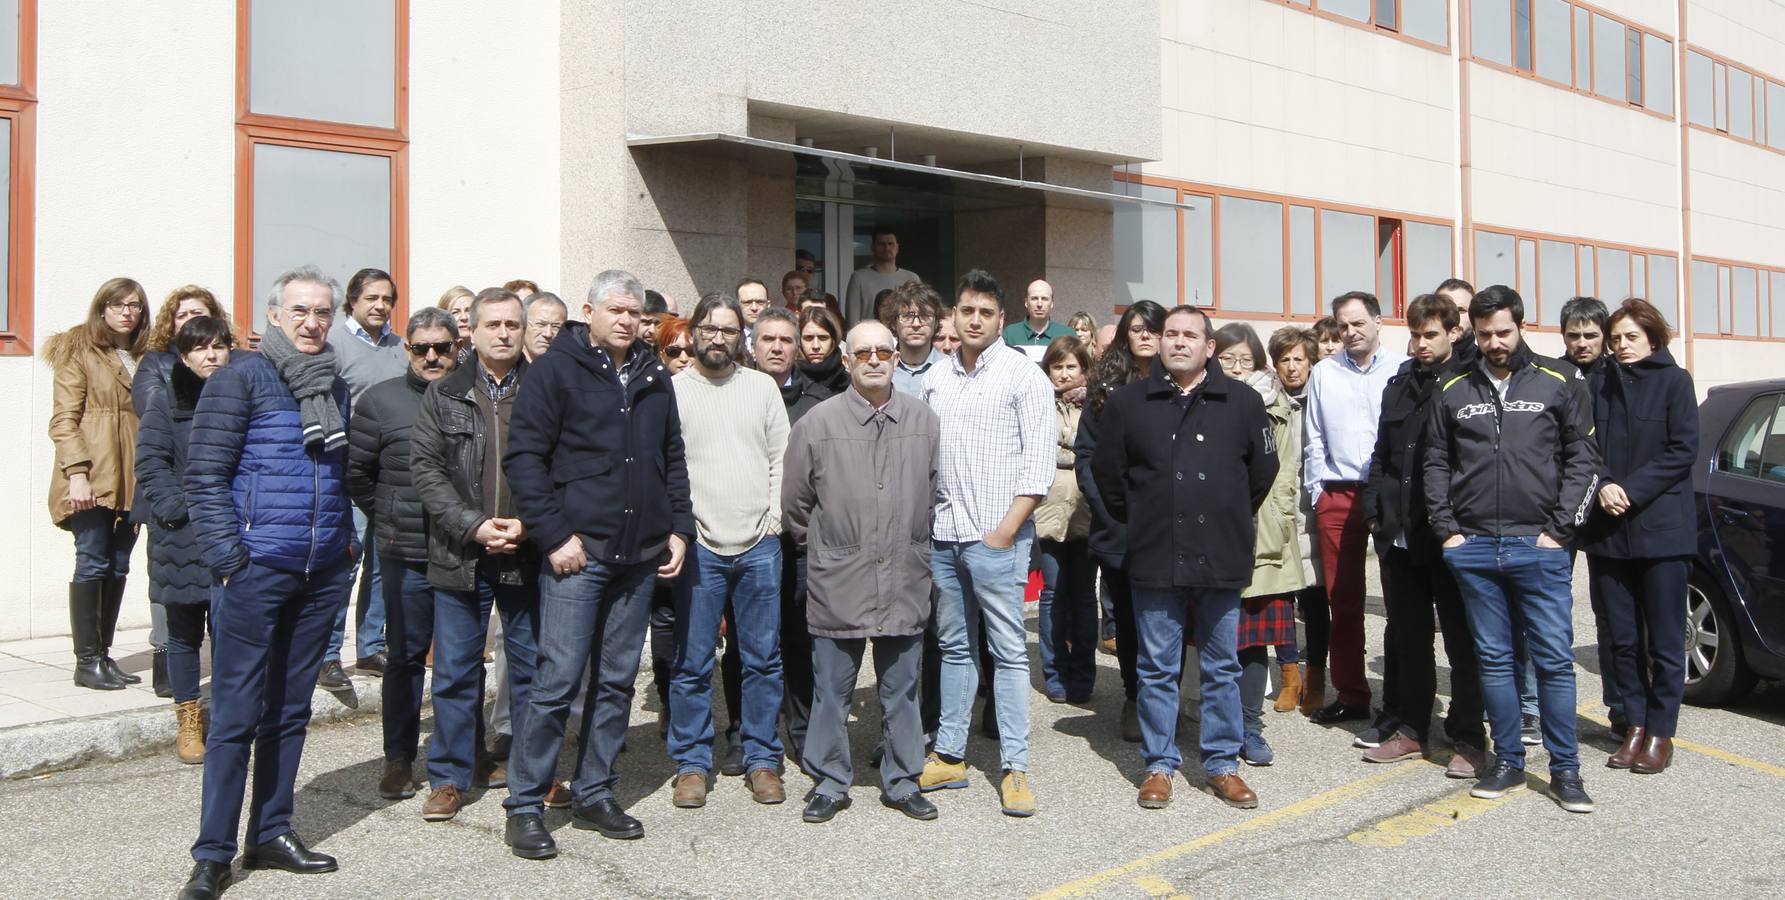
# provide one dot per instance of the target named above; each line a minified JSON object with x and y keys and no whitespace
{"x":735,"y":428}
{"x":913,"y":310}
{"x":861,"y":480}
{"x":378,"y":478}
{"x":881,"y":274}
{"x":546,"y":315}
{"x":793,"y":289}
{"x":753,"y":298}
{"x":806,"y":264}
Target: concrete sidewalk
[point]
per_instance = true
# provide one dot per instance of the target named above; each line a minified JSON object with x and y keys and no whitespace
{"x":47,"y":722}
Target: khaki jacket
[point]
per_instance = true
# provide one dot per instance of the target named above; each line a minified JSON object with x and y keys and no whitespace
{"x":1277,"y":556}
{"x":92,"y":423}
{"x":1064,"y":515}
{"x":858,"y":497}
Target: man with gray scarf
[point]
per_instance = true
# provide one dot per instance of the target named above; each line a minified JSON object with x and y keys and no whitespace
{"x":267,"y":492}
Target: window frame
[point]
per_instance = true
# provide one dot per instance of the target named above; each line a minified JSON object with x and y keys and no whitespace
{"x":18,"y":103}
{"x":1720,"y":99}
{"x":1574,"y":55}
{"x":1769,"y":330}
{"x":1533,"y":305}
{"x":254,"y":129}
{"x":1322,"y":294}
{"x":1393,"y":31}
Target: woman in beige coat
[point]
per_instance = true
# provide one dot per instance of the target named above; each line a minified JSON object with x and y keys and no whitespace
{"x":93,"y":425}
{"x":1069,"y":609}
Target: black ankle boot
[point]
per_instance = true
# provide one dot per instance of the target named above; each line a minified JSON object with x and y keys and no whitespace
{"x":111,"y":601}
{"x":158,"y":675}
{"x":84,"y":598}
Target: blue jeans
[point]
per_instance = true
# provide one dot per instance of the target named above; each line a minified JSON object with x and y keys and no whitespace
{"x":600,"y":612}
{"x":461,"y":624}
{"x":1160,"y":617}
{"x":751,"y":581}
{"x":368,"y":628}
{"x":1068,"y":619}
{"x":1508,"y":580}
{"x":103,"y":541}
{"x":975,"y":584}
{"x":409,"y":598}
{"x":185,"y":635}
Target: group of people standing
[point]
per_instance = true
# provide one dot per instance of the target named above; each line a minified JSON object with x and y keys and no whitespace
{"x":805,"y":489}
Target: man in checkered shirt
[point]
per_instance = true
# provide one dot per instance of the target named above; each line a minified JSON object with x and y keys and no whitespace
{"x":997,"y":463}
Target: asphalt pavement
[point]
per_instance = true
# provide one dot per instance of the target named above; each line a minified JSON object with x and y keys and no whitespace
{"x":1328,"y":824}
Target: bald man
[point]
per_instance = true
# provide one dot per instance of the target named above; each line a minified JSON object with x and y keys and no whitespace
{"x":860,"y":478}
{"x":1034,"y":333}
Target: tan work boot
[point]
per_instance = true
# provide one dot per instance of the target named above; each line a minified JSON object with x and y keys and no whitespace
{"x":690,"y":790}
{"x":938,"y":775}
{"x":190,"y":743}
{"x":1291,"y":695}
{"x":1314,"y":690}
{"x":765,"y":786}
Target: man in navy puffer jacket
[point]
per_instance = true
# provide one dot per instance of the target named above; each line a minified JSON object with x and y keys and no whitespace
{"x":269,"y":505}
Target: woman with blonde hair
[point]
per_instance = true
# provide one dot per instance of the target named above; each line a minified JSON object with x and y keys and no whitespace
{"x":93,"y":427}
{"x":457,"y":300}
{"x":154,"y":378}
{"x":1084,"y":325}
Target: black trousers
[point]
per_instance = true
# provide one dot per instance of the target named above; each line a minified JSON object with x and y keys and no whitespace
{"x":1317,"y":623}
{"x":796,"y":650}
{"x":1415,"y":588}
{"x":1645,"y":607}
{"x":1121,"y":601}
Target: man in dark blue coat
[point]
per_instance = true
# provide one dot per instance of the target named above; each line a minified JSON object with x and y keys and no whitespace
{"x":268,"y":498}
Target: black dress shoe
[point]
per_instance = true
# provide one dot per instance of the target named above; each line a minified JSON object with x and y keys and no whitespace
{"x":1336,"y":712}
{"x":372,"y":665}
{"x":207,"y":881}
{"x":526,"y":836}
{"x":821,"y":808}
{"x":914,"y":804}
{"x":733,"y":763}
{"x":333,"y":677}
{"x":607,"y":817}
{"x":288,"y":853}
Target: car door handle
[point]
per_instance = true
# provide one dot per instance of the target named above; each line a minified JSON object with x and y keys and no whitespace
{"x":1730,"y":515}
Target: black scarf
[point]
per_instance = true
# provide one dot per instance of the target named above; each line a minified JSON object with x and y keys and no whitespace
{"x":311,"y":378}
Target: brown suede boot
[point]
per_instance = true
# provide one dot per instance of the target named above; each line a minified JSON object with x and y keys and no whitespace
{"x":1291,"y":694}
{"x":1313,"y":690}
{"x":190,"y":742}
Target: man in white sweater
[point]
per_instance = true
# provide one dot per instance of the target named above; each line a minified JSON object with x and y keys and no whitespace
{"x":734,"y":427}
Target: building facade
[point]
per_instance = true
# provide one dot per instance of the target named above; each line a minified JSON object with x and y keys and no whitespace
{"x":1252,"y":156}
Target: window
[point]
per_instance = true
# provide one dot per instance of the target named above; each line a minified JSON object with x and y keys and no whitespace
{"x":1744,"y":301}
{"x":1199,"y":250}
{"x":1608,"y":57}
{"x":1251,"y":255}
{"x":1527,"y":268}
{"x":1741,"y":104}
{"x":1614,"y":275}
{"x":18,"y":153}
{"x":1574,"y":46}
{"x":1720,"y":96}
{"x":1583,"y":49}
{"x":1772,"y":453}
{"x":1427,"y":21}
{"x":1386,"y":13}
{"x":1304,"y":291}
{"x":1699,"y":93}
{"x":1589,"y":286}
{"x":1490,"y":33}
{"x":1555,"y":282}
{"x":1521,"y":34}
{"x":322,"y":144}
{"x":1776,"y":291}
{"x":1732,"y":299}
{"x":1347,"y":253}
{"x":1146,"y":260}
{"x":1429,"y":258}
{"x":1554,"y":52}
{"x":1664,"y":288}
{"x":1775,"y":116}
{"x":1704,"y":298}
{"x":1548,"y":270}
{"x":1633,"y":65}
{"x":1739,"y":453}
{"x":1657,"y":68}
{"x":1350,"y":9}
{"x":1388,"y":262}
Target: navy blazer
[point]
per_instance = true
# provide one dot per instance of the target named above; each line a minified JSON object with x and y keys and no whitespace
{"x":1646,"y":418}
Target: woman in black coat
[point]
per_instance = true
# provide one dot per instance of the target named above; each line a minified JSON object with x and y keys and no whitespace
{"x":178,"y":579}
{"x":1645,"y":528}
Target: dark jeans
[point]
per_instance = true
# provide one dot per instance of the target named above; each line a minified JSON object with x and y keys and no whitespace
{"x":1254,"y":682}
{"x":1165,"y":618}
{"x":796,"y":650}
{"x":1646,"y":598}
{"x":1497,"y":577}
{"x":271,"y":628}
{"x":409,"y":630}
{"x":1317,"y":623}
{"x":1610,"y":692}
{"x":836,"y":663}
{"x":593,"y":619}
{"x":1068,"y":618}
{"x":461,"y":626}
{"x":663,"y":656}
{"x":751,"y":583}
{"x":1121,"y":598}
{"x":1414,"y":588}
{"x":103,"y":541}
{"x":185,"y":635}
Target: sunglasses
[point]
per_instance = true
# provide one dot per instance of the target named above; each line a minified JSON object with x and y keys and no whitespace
{"x":677,"y":352}
{"x":438,"y":348}
{"x":880,"y":353}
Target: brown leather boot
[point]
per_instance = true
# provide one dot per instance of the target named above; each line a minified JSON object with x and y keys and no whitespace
{"x":1155,"y":792}
{"x":442,"y":804}
{"x":1656,"y":756}
{"x":1626,"y":754}
{"x":1314,"y":690}
{"x":1232,"y":790}
{"x":766,"y":787}
{"x":690,"y":790}
{"x":1291,"y":694}
{"x":189,"y":744}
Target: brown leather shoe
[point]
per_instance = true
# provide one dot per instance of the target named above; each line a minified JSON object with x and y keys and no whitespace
{"x":766,"y":787}
{"x":398,"y":780}
{"x":1232,"y":790}
{"x":690,"y":790}
{"x":558,"y":796}
{"x":443,"y":803}
{"x":1155,"y":792}
{"x":1626,"y":754}
{"x":1313,"y":690}
{"x":1656,"y":756}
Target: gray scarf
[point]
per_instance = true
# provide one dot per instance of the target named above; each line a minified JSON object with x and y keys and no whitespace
{"x":311,"y":378}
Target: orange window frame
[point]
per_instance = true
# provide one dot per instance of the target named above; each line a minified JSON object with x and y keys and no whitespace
{"x":1533,"y":305}
{"x":1313,"y":7}
{"x":1769,"y":329}
{"x":1573,"y":56}
{"x":1762,"y":124}
{"x":1321,"y":292}
{"x":254,"y":129}
{"x":18,"y":104}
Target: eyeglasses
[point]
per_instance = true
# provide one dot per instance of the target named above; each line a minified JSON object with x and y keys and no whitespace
{"x":546,"y":327}
{"x":302,"y":313}
{"x":438,"y":348}
{"x":880,"y":353}
{"x":122,"y":305}
{"x":913,"y":318}
{"x":1229,"y":359}
{"x":708,"y":332}
{"x":677,"y":352}
{"x":805,"y":270}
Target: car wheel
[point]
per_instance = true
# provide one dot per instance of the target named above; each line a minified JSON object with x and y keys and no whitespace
{"x":1716,"y":673}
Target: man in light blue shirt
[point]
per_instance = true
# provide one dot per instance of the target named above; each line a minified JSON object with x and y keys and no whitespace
{"x":1343,"y":405}
{"x":911,"y":317}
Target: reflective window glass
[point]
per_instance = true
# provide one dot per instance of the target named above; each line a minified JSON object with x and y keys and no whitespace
{"x":1429,"y":256}
{"x":327,"y":60}
{"x":1555,"y":56}
{"x":1704,"y":297}
{"x":1199,"y":250}
{"x":1664,"y":287}
{"x":1583,"y":49}
{"x":1251,"y":255}
{"x":1741,"y":104}
{"x":1521,"y":34}
{"x":1739,"y":452}
{"x":1777,"y":283}
{"x":1304,"y":293}
{"x":1490,"y":30}
{"x":1146,"y":243}
{"x":1633,"y":65}
{"x":1614,"y":276}
{"x":1657,"y":69}
{"x":1744,"y":301}
{"x":1494,"y":259}
{"x":1775,"y":115}
{"x":1527,"y":271}
{"x":1556,"y":283}
{"x":1347,"y":253}
{"x":1350,"y":9}
{"x":9,"y":42}
{"x":1608,"y":57}
{"x":320,"y":207}
{"x":1699,"y":92}
{"x":1428,"y":20}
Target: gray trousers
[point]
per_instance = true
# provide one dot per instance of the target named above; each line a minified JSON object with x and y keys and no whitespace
{"x":898,"y":662}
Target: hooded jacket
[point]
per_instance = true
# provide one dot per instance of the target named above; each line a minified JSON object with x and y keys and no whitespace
{"x":177,"y":572}
{"x":1646,"y":414}
{"x":1520,"y":466}
{"x":1394,"y":497}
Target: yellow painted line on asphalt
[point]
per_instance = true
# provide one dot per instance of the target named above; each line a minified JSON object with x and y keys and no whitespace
{"x":1764,"y":768}
{"x":1448,"y":811}
{"x":1156,"y":886}
{"x":1264,"y":822}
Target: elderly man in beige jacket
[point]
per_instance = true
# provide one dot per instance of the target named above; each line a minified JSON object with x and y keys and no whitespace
{"x":860,"y":481}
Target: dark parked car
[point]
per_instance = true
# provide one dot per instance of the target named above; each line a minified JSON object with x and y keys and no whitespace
{"x":1735,"y":613}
